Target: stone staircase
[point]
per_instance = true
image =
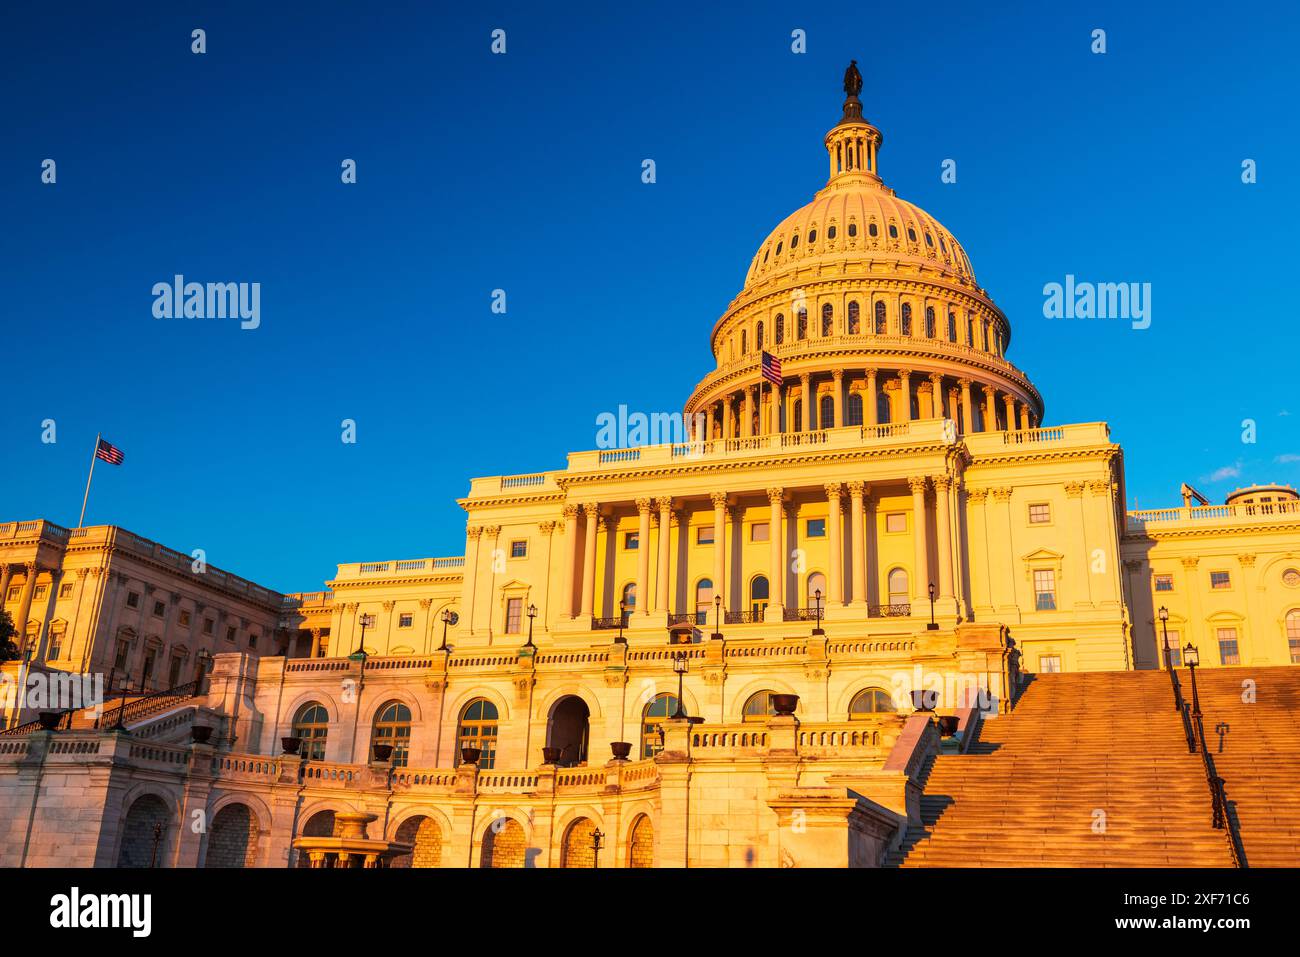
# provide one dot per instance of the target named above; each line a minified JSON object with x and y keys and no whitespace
{"x":1092,"y":770}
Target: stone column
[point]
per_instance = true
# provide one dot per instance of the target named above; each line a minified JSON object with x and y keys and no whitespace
{"x":807,"y":422}
{"x":967,"y":409}
{"x":920,"y":587}
{"x":936,"y":384}
{"x":30,"y":571}
{"x":315,"y":642}
{"x":943,"y":534}
{"x":837,"y":397}
{"x":570,"y":513}
{"x":776,"y":571}
{"x":1024,"y":416}
{"x":708,"y":422}
{"x":1009,"y":403}
{"x":905,"y":388}
{"x":719,"y":500}
{"x":858,"y":536}
{"x":747,"y":426}
{"x":591,"y":511}
{"x":663,"y":595}
{"x":836,"y":563}
{"x":726,"y":416}
{"x":643,"y":558}
{"x":6,"y":572}
{"x":869,"y":399}
{"x":990,"y":409}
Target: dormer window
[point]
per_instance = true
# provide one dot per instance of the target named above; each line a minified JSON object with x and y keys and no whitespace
{"x":778,"y":248}
{"x":872,"y":229}
{"x":812,"y":235}
{"x":794,"y":240}
{"x":853,"y":230}
{"x":911,"y":234}
{"x":830,"y":232}
{"x":893,"y":231}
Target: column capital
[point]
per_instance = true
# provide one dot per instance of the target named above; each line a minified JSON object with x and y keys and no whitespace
{"x":837,"y":375}
{"x":774,"y":495}
{"x":990,"y":390}
{"x":804,"y":377}
{"x":871,"y":371}
{"x":918,"y":484}
{"x":546,"y":527}
{"x":643,"y":505}
{"x":976,"y":494}
{"x":492,"y":531}
{"x":904,"y":373}
{"x":590,"y":509}
{"x":473,"y":532}
{"x":570,"y":512}
{"x":1001,"y":494}
{"x":941,"y":482}
{"x":856,"y":489}
{"x":718,"y":499}
{"x":965,"y":382}
{"x":1074,"y":489}
{"x":664,"y":504}
{"x":834,"y":490}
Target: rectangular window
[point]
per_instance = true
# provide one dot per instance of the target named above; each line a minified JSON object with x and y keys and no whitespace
{"x":1049,"y":664}
{"x":65,"y":590}
{"x":519,"y":549}
{"x":895,"y":521}
{"x":631,"y":541}
{"x":815,"y":528}
{"x":759,"y":532}
{"x":704,"y":535}
{"x":185,"y":619}
{"x":1164,"y":583}
{"x":406,"y":619}
{"x":174,"y":676}
{"x":1295,"y":650}
{"x":230,"y":633}
{"x":56,"y":645}
{"x":159,"y":609}
{"x":1044,"y":589}
{"x":514,"y":615}
{"x":39,"y":591}
{"x":132,"y":599}
{"x":1219,"y":580}
{"x":208,"y":625}
{"x":1040,"y":513}
{"x":1228,"y":647}
{"x":123,"y":649}
{"x":14,"y":592}
{"x":252,"y":641}
{"x":1175,"y":651}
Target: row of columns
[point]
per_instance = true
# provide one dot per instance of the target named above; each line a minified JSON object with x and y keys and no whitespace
{"x":733,"y":415}
{"x":860,"y":498}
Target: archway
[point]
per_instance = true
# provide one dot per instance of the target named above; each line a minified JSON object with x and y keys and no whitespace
{"x":577,"y":849}
{"x":232,"y":838}
{"x":146,"y":833}
{"x":641,"y":843}
{"x":503,"y":844}
{"x":426,"y":837}
{"x":320,"y":824}
{"x":569,"y":729}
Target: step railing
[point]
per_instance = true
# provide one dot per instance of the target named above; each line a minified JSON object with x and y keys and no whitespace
{"x":150,"y":704}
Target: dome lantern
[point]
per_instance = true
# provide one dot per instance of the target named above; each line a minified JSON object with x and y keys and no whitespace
{"x":853,"y":142}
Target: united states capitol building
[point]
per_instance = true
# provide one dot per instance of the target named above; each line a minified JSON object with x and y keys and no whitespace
{"x":701,"y":653}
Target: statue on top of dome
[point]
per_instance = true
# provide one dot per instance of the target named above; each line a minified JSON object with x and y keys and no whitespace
{"x":852,"y":79}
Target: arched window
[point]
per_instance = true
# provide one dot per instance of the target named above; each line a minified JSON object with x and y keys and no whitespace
{"x":830,"y":232}
{"x":898,"y":593}
{"x":744,"y":341}
{"x":641,"y":840}
{"x":855,"y":326}
{"x":393,"y":727}
{"x":704,"y":599}
{"x":911,"y":234}
{"x":652,"y":717}
{"x":312,"y":725}
{"x":812,"y":236}
{"x":929,"y":322}
{"x":872,"y":229}
{"x":906,"y":319}
{"x":758,"y":335}
{"x":758,"y":707}
{"x":871,"y":701}
{"x":883,"y":416}
{"x":801,"y":323}
{"x":794,"y":241}
{"x":629,"y":599}
{"x":882,"y":324}
{"x":893,"y":231}
{"x":827,"y":411}
{"x":758,"y":595}
{"x":952,"y":327}
{"x":478,"y":729}
{"x":778,"y":334}
{"x":1293,"y":635}
{"x":853,"y":415}
{"x":986,"y":335}
{"x":816,"y":583}
{"x":828,"y":319}
{"x":970,"y":332}
{"x":577,"y":848}
{"x":853,"y":229}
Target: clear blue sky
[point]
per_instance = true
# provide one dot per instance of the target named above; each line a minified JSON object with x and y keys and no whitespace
{"x":522,"y":172}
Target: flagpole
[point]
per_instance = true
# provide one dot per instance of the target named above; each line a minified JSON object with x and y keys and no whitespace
{"x":85,"y":498}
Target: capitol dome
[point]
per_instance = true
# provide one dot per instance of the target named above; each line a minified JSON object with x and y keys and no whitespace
{"x":871,"y":308}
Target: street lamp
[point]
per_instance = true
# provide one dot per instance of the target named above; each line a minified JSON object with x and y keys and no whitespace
{"x":449,"y":617}
{"x":596,"y":839}
{"x":817,"y":596}
{"x":679,"y":666}
{"x":932,"y":626}
{"x":717,"y":616}
{"x":1192,"y":658}
{"x":1164,"y":630}
{"x":360,"y":654}
{"x":532,"y":613}
{"x":622,"y":620}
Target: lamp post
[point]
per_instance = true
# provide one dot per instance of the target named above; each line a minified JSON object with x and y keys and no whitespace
{"x":121,"y":708}
{"x":679,"y":666}
{"x":1192,"y":658}
{"x":817,"y":596}
{"x":933,"y":625}
{"x":622,"y":620}
{"x":1164,"y":631}
{"x":360,"y":654}
{"x":532,"y":613}
{"x":449,"y":617}
{"x":596,"y":839}
{"x":157,"y":839}
{"x":717,"y":617}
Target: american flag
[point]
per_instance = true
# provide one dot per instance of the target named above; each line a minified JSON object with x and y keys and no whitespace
{"x":109,"y":453}
{"x":772,"y":369}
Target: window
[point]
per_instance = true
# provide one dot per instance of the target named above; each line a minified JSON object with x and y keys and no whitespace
{"x":895,"y":521}
{"x":1228,"y":646}
{"x":758,"y":595}
{"x":123,"y":650}
{"x":132,"y":599}
{"x":1040,"y":513}
{"x":312,"y":726}
{"x":970,"y":331}
{"x":65,"y":589}
{"x":952,"y":327}
{"x":853,"y":230}
{"x":478,"y":729}
{"x":1049,"y":664}
{"x":39,"y":591}
{"x":760,"y":532}
{"x":1164,"y":583}
{"x":208,"y":626}
{"x":405,"y":620}
{"x":853,"y":412}
{"x":929,"y":321}
{"x":815,"y":590}
{"x":758,"y":335}
{"x":759,"y":707}
{"x":252,"y":641}
{"x":929,"y":240}
{"x":828,"y":319}
{"x":1291,"y":577}
{"x":1220,"y":580}
{"x":159,"y":609}
{"x":905,"y":320}
{"x":514,"y":615}
{"x":827,"y":412}
{"x":794,"y":241}
{"x":704,"y":535}
{"x":898,"y":590}
{"x":1044,"y":589}
{"x":1175,"y":650}
{"x":893,"y":231}
{"x":174,"y":673}
{"x":815,"y":528}
{"x":703,"y":600}
{"x":873,"y":229}
{"x":631,"y":541}
{"x":778,"y":335}
{"x":629,"y":599}
{"x":882,"y":323}
{"x":855,"y":325}
{"x":744,"y":341}
{"x":871,"y":701}
{"x":652,"y":717}
{"x":55,"y":650}
{"x":231,"y":632}
{"x":14,"y":592}
{"x":393,"y":727}
{"x":812,"y":235}
{"x":519,"y":549}
{"x":185,"y":619}
{"x":801,"y":323}
{"x":830,"y":232}
{"x":1293,"y":635}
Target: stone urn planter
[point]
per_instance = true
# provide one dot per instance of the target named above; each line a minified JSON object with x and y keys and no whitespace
{"x":291,"y":744}
{"x":49,"y":719}
{"x":550,"y":755}
{"x":621,"y":749}
{"x":382,"y":752}
{"x":925,"y":700}
{"x":201,"y":733}
{"x":470,"y":755}
{"x":785,"y":704}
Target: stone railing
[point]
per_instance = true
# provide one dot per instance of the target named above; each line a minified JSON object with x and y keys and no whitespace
{"x":400,"y":567}
{"x":1241,"y":514}
{"x":493,"y":486}
{"x":1081,"y":434}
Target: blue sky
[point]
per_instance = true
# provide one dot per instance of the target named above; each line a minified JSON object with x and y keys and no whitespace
{"x":522,"y":172}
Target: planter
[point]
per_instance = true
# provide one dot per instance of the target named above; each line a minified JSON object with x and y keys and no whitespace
{"x":550,"y":755}
{"x":925,"y":700}
{"x":621,"y":749}
{"x":947,"y":725}
{"x":201,"y":733}
{"x":49,"y":720}
{"x":785,"y":703}
{"x":291,"y":744}
{"x":383,"y":752}
{"x":470,"y":755}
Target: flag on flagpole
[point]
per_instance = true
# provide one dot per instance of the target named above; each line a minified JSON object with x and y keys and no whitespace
{"x":108,"y":452}
{"x":772,"y":369}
